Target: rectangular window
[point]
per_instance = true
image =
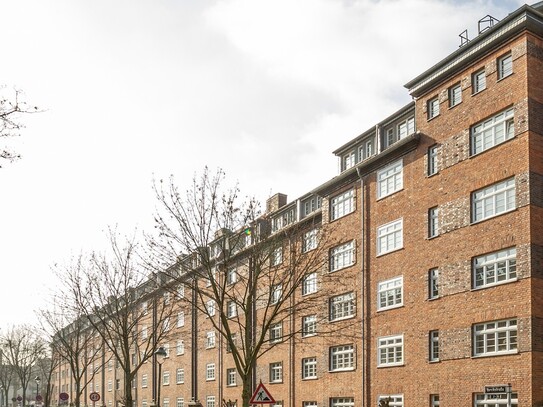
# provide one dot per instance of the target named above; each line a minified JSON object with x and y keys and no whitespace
{"x":433,"y":222}
{"x":166,"y":378}
{"x":231,"y":276}
{"x":493,"y":200}
{"x":390,"y":237}
{"x":455,"y":95}
{"x":390,"y":350}
{"x":349,"y":160}
{"x":505,"y":66}
{"x":180,"y":347}
{"x":210,"y":339}
{"x":434,"y":400}
{"x":210,"y":371}
{"x":433,"y":108}
{"x":342,"y":306}
{"x":276,"y":332}
{"x":478,"y":81}
{"x":143,"y":380}
{"x":492,"y":131}
{"x":395,"y":400}
{"x":309,"y":284}
{"x":231,"y":309}
{"x":495,"y":338}
{"x":181,"y":291}
{"x":342,"y":402}
{"x":276,"y":293}
{"x":309,"y":368}
{"x":432,"y":160}
{"x":342,"y":358}
{"x":390,"y":179}
{"x":433,"y":283}
{"x":276,"y":256}
{"x":495,"y":268}
{"x":309,"y":241}
{"x":210,"y":401}
{"x":166,"y":402}
{"x":210,"y":308}
{"x":342,"y":205}
{"x":309,"y":404}
{"x":231,"y":377}
{"x":309,"y":325}
{"x":180,"y":376}
{"x":342,"y":256}
{"x":367,"y":149}
{"x":390,"y":293}
{"x":433,"y":342}
{"x":494,"y":400}
{"x":233,"y":341}
{"x":406,"y":128}
{"x":276,"y":372}
{"x":312,"y":204}
{"x":180,"y":319}
{"x":180,"y":402}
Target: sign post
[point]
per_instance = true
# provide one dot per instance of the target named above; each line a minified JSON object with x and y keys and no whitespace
{"x":500,"y":389}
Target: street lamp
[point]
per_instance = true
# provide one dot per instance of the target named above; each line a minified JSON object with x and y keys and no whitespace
{"x":160,"y":354}
{"x":37,"y":379}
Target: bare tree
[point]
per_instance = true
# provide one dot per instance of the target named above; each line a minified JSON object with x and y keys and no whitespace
{"x":7,"y":376}
{"x":113,"y":295}
{"x":11,"y":108}
{"x":243,"y":278}
{"x":22,"y":348}
{"x":45,"y":368}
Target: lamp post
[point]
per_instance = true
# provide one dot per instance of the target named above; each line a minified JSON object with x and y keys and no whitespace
{"x":37,"y":379}
{"x":160,"y":354}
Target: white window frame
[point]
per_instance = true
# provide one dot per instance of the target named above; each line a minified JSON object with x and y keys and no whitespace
{"x":231,"y":276}
{"x":495,"y":268}
{"x":276,"y":256}
{"x":276,"y":332}
{"x":342,"y":307}
{"x":231,"y":376}
{"x":348,"y":160}
{"x":309,"y":368}
{"x":309,"y":326}
{"x":210,"y":308}
{"x":493,"y":131}
{"x":455,"y":95}
{"x":309,"y":404}
{"x":367,"y":149}
{"x":433,"y":108}
{"x":394,"y":400}
{"x":478,"y":81}
{"x":180,"y":376}
{"x":433,"y":346}
{"x":143,"y":381}
{"x":433,"y":222}
{"x":180,"y":319}
{"x":180,"y":347}
{"x":310,"y":240}
{"x":342,"y":256}
{"x":342,"y":358}
{"x":166,"y":402}
{"x":489,"y":337}
{"x":276,"y":372}
{"x":166,"y":378}
{"x":493,"y":200}
{"x":432,"y":160}
{"x":341,"y":205}
{"x":309,"y":284}
{"x":210,"y":401}
{"x":342,"y":402}
{"x":211,"y":339}
{"x":390,"y":237}
{"x":434,"y":400}
{"x":390,"y":294}
{"x":231,"y":309}
{"x":390,"y":179}
{"x":433,"y":283}
{"x":505,"y":66}
{"x":312,"y":204}
{"x":276,"y":293}
{"x":210,"y":372}
{"x":390,"y":351}
{"x":180,"y":402}
{"x":406,"y":127}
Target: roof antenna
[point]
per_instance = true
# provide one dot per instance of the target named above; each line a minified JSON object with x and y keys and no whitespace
{"x":486,"y":23}
{"x":463,"y":38}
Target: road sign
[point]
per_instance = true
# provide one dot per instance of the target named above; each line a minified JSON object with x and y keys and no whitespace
{"x":39,"y":397}
{"x":19,"y":398}
{"x":501,"y":388}
{"x":261,"y":396}
{"x":63,"y":396}
{"x":94,"y":396}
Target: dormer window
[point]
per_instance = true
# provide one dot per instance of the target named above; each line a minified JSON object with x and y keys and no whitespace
{"x":367,"y":149}
{"x":349,"y":160}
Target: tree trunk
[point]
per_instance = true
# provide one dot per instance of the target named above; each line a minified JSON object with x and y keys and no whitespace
{"x":246,"y":390}
{"x":128,"y":390}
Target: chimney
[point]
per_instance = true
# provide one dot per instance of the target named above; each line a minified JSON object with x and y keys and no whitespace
{"x":276,"y":202}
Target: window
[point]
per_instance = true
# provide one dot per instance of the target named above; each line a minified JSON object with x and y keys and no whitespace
{"x":166,"y":402}
{"x":433,"y":108}
{"x":309,"y":240}
{"x":143,"y":380}
{"x":390,"y":349}
{"x":342,"y":306}
{"x":309,"y":325}
{"x":342,"y":402}
{"x":494,"y":400}
{"x":276,"y":256}
{"x":109,"y":385}
{"x":342,"y":358}
{"x":342,"y":205}
{"x":143,"y":334}
{"x":230,"y":377}
{"x":367,"y":149}
{"x":210,"y":371}
{"x":210,"y":339}
{"x":433,"y":222}
{"x":180,"y":402}
{"x":309,"y":404}
{"x":432,"y":160}
{"x":455,"y":95}
{"x":390,"y":237}
{"x":276,"y":372}
{"x":342,"y":256}
{"x":180,"y":376}
{"x":210,"y":401}
{"x":505,"y":66}
{"x":309,"y":368}
{"x":276,"y":332}
{"x":166,"y":378}
{"x":433,"y":338}
{"x":210,"y":308}
{"x":231,"y":276}
{"x":231,"y":309}
{"x":180,"y":319}
{"x":145,"y":307}
{"x":144,"y":403}
{"x":493,"y":131}
{"x":349,"y":160}
{"x":233,"y":340}
{"x":493,"y":200}
{"x":390,"y":179}
{"x":309,"y":284}
{"x":406,"y":128}
{"x":494,"y":338}
{"x":395,"y":400}
{"x":276,"y":293}
{"x":312,"y":204}
{"x":433,"y":283}
{"x":166,"y":298}
{"x":495,"y":268}
{"x":181,"y":291}
{"x":166,"y":324}
{"x":180,"y":347}
{"x":390,"y":293}
{"x":478,"y":81}
{"x":390,"y":137}
{"x":434,"y":400}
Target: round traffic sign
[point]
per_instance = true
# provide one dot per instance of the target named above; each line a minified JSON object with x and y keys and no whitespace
{"x":94,"y":396}
{"x":63,"y":396}
{"x":19,"y":398}
{"x":39,"y":397}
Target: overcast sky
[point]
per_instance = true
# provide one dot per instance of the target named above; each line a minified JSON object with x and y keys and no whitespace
{"x":135,"y":90}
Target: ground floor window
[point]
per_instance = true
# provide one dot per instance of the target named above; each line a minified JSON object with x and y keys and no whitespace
{"x":394,"y":400}
{"x":342,"y":402}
